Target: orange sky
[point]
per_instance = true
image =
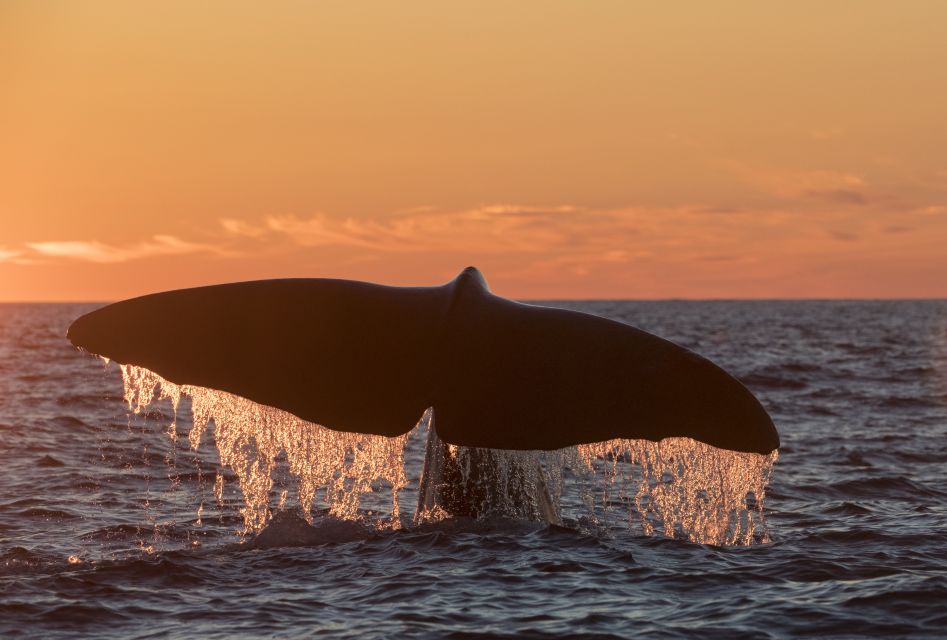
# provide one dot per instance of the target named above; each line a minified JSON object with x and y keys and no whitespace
{"x":568,"y":149}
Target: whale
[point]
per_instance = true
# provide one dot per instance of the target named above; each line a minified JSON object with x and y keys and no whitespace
{"x":371,"y":358}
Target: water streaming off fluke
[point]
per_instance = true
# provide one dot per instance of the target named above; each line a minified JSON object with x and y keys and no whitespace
{"x":677,"y":487}
{"x":250,"y":437}
{"x":684,"y":488}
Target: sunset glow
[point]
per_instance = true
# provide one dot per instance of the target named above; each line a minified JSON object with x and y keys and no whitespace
{"x":569,"y":150}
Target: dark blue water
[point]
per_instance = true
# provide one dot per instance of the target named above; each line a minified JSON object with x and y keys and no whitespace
{"x":99,"y":534}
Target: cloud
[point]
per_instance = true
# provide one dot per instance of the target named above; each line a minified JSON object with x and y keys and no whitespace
{"x":838,"y":196}
{"x":712,"y":210}
{"x":844,"y":236}
{"x":833,"y":186}
{"x":8,"y":254}
{"x":543,"y":251}
{"x":95,"y":251}
{"x":525,"y":241}
{"x":323,"y":230}
{"x":490,"y":228}
{"x":898,"y":228}
{"x":718,"y":258}
{"x":241,"y":228}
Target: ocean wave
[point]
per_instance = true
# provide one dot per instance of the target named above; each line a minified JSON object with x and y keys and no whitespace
{"x":127,"y":539}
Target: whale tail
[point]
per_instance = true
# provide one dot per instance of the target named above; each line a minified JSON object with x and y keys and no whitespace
{"x":368,"y":358}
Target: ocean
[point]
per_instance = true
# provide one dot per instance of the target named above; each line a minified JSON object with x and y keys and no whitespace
{"x":111,"y":528}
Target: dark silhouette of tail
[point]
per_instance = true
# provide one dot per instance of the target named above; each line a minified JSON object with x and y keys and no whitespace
{"x":354,"y":356}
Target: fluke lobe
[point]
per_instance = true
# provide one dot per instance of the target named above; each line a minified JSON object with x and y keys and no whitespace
{"x":355,"y":356}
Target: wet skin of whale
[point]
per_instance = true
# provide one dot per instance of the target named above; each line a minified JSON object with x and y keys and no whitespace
{"x":355,"y":356}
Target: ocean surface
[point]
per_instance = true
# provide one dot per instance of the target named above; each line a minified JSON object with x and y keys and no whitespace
{"x":109,"y":529}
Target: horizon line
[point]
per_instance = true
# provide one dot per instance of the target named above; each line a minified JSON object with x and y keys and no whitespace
{"x":619,"y":299}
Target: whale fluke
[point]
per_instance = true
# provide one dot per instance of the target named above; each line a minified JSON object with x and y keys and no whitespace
{"x":354,"y":356}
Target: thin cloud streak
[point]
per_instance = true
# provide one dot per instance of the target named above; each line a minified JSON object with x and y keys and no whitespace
{"x":839,"y":196}
{"x":98,"y":252}
{"x":840,"y":186}
{"x":8,"y":254}
{"x":241,"y":228}
{"x":489,"y":229}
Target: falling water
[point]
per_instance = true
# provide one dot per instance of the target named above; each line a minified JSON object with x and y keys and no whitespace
{"x":686,"y":488}
{"x":678,"y":487}
{"x":250,"y":437}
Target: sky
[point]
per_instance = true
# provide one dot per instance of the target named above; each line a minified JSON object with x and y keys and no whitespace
{"x":568,"y":149}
